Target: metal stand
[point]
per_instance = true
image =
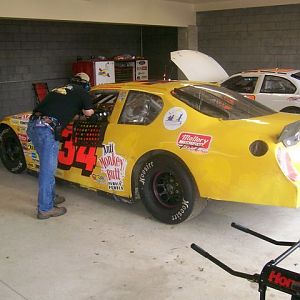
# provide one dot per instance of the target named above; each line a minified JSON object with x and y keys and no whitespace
{"x":271,"y":275}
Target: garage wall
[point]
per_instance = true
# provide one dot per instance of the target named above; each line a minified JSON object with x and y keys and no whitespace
{"x":33,"y":51}
{"x":241,"y":39}
{"x":158,"y":42}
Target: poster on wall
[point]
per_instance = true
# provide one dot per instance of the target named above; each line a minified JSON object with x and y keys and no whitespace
{"x":141,"y":69}
{"x":104,"y":72}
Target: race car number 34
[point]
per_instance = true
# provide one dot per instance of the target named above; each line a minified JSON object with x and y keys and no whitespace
{"x":82,"y":157}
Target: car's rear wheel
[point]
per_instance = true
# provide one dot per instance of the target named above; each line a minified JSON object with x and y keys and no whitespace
{"x":168,"y":190}
{"x":11,"y":152}
{"x":291,"y":110}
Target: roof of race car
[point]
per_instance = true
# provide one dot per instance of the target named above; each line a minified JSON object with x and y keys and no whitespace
{"x":163,"y":85}
{"x":272,"y":70}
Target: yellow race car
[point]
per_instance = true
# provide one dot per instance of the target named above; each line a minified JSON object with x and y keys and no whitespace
{"x":172,"y":144}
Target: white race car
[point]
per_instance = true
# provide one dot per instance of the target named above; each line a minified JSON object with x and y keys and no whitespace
{"x":278,"y":89}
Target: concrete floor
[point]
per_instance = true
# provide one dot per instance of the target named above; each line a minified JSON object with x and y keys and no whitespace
{"x":104,"y":250}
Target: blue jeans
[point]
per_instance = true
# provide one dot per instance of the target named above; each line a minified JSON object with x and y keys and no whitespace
{"x":47,"y":148}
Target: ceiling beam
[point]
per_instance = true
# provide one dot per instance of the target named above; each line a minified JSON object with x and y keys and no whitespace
{"x":207,"y":5}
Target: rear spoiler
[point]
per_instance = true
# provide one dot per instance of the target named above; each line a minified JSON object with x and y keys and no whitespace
{"x":290,"y":134}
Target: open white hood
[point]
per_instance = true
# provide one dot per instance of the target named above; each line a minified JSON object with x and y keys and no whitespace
{"x":198,"y":66}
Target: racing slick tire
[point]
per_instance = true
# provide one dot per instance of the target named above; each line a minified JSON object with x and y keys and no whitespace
{"x":11,"y":152}
{"x":168,"y":191}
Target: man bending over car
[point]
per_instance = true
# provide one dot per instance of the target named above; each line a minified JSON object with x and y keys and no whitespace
{"x":47,"y":121}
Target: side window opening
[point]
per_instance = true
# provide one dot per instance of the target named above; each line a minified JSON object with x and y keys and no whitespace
{"x":277,"y":85}
{"x":241,"y":84}
{"x":104,"y":100}
{"x":140,"y":108}
{"x":91,"y":132}
{"x":296,"y":75}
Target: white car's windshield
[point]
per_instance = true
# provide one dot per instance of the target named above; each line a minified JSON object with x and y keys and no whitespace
{"x":220,"y":102}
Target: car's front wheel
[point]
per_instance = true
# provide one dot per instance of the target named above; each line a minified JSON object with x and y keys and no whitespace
{"x":168,"y":190}
{"x":11,"y":152}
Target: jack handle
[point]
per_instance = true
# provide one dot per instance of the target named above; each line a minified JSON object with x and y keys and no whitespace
{"x":253,"y":278}
{"x":261,"y":236}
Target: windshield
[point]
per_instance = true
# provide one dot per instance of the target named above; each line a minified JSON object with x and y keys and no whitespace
{"x":220,"y":102}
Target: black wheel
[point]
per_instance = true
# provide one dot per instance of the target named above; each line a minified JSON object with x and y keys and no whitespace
{"x":291,"y":110}
{"x":167,"y":189}
{"x":11,"y":152}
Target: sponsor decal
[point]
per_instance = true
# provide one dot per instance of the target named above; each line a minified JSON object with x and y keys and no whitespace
{"x":278,"y":279}
{"x":21,"y":129}
{"x":23,"y":137}
{"x":19,"y":119}
{"x":99,"y":178}
{"x":31,"y":166}
{"x":34,"y":166}
{"x":142,"y":69}
{"x":174,"y":118}
{"x":27,"y":146}
{"x":194,"y":141}
{"x":14,"y":122}
{"x":114,"y":167}
{"x":23,"y":117}
{"x":26,"y":152}
{"x":293,"y":98}
{"x":179,"y":214}
{"x":34,"y":156}
{"x":143,"y":173}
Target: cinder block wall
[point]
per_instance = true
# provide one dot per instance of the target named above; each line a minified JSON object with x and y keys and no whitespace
{"x":241,"y":39}
{"x":32,"y":51}
{"x":158,"y":42}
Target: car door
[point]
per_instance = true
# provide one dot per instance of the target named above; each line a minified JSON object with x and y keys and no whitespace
{"x":82,"y":142}
{"x":130,"y":133}
{"x":277,"y":92}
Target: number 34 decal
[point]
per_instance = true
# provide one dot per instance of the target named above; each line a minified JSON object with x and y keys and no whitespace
{"x":81,"y":157}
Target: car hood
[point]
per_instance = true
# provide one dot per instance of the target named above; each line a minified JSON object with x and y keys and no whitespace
{"x":198,"y":66}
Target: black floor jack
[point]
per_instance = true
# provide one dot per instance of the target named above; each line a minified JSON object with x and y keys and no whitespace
{"x":271,"y":275}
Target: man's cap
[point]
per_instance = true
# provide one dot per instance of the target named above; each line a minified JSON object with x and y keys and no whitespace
{"x":83,"y":76}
